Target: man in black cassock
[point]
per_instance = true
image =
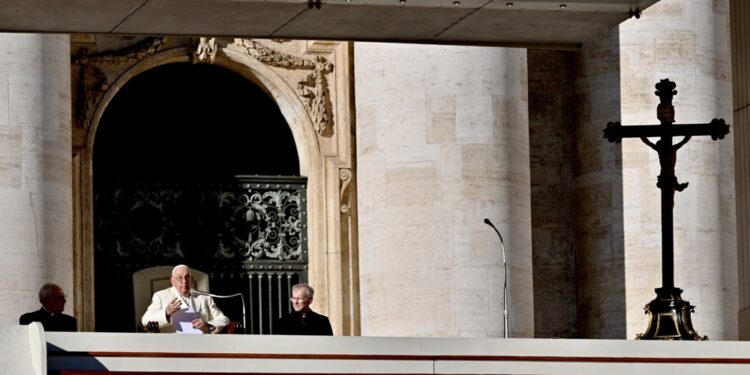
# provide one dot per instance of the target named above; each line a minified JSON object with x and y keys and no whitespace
{"x":50,"y":315}
{"x":304,"y":321}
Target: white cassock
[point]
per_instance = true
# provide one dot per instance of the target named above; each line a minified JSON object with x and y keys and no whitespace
{"x":203,"y":306}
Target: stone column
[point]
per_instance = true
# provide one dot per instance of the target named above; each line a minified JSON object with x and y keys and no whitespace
{"x":740,"y":11}
{"x":686,"y":41}
{"x":35,"y":170}
{"x":598,"y":187}
{"x":442,"y":143}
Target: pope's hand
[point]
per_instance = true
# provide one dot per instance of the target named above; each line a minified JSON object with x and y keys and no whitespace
{"x":199,"y":324}
{"x":173,"y":306}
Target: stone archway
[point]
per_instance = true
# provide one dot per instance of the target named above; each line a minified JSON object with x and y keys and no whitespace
{"x":309,"y":81}
{"x":195,"y":164}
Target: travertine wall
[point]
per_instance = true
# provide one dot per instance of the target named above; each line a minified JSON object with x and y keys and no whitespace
{"x":616,"y":205}
{"x":551,"y":122}
{"x":442,"y":143}
{"x":35,"y":170}
{"x":740,"y":26}
{"x":600,"y":272}
{"x":686,"y":41}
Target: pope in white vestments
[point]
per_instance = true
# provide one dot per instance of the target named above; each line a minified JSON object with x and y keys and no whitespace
{"x":176,"y":309}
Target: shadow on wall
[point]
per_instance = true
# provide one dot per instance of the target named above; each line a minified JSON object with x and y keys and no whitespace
{"x":576,"y":192}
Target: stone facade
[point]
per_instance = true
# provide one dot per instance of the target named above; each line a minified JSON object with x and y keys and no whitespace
{"x":600,"y":274}
{"x":442,"y":143}
{"x":35,"y":188}
{"x":617,"y":226}
{"x":740,"y":13}
{"x":687,"y":42}
{"x":552,"y":117}
{"x":445,"y":137}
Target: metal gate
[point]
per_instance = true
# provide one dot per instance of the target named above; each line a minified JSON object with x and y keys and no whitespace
{"x":250,"y":236}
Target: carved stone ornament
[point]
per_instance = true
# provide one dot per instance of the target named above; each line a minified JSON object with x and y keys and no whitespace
{"x":93,"y":82}
{"x":313,"y":88}
{"x":206,"y":50}
{"x":345,"y":179}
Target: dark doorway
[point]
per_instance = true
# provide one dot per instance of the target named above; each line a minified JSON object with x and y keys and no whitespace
{"x":186,"y":122}
{"x":184,"y":156}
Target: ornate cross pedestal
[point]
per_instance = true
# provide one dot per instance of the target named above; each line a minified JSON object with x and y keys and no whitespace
{"x":669,"y":317}
{"x":669,"y":313}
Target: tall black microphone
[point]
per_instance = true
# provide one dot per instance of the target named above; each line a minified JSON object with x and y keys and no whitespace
{"x":505,"y":278}
{"x":242,"y":297}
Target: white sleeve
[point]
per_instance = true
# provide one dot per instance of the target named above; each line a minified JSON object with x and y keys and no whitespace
{"x":155,"y":312}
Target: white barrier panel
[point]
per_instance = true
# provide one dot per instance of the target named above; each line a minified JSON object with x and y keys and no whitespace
{"x":99,"y":353}
{"x":23,"y":350}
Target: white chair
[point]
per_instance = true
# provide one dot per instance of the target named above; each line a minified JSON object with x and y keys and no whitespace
{"x":148,"y":281}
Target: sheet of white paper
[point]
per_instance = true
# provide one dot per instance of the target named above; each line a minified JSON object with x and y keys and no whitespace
{"x":183,"y":321}
{"x":187,"y":327}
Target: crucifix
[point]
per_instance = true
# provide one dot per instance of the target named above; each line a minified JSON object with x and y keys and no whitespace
{"x":669,"y":313}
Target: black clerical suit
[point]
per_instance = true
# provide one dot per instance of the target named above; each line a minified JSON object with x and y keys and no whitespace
{"x":58,"y":322}
{"x":305,"y":323}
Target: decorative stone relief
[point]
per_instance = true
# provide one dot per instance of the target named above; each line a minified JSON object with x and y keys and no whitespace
{"x":206,"y":50}
{"x":313,"y":87}
{"x":93,"y":82}
{"x":345,"y":179}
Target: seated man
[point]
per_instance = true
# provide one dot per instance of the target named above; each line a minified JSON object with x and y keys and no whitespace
{"x":304,"y":321}
{"x":177,"y":309}
{"x":50,"y":315}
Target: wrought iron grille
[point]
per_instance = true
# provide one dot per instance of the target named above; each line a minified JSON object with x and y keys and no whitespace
{"x":249,"y":236}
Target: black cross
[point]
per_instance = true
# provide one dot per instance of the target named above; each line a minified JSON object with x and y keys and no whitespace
{"x":667,"y":181}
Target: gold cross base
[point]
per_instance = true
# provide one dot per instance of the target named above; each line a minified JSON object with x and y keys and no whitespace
{"x":669,"y":317}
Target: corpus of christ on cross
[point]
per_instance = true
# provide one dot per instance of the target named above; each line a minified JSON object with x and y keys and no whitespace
{"x":669,"y":313}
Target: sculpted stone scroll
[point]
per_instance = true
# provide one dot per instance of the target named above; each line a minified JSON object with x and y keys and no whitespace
{"x":313,"y":87}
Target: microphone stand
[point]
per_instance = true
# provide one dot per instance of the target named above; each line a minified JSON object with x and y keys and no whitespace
{"x":505,"y":278}
{"x":244,"y":320}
